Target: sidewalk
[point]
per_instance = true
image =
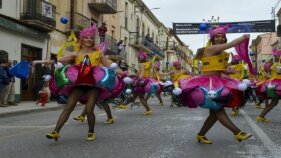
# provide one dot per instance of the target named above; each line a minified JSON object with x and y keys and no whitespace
{"x":26,"y":107}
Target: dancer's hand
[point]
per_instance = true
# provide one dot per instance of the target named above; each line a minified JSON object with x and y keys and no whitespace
{"x":246,"y":36}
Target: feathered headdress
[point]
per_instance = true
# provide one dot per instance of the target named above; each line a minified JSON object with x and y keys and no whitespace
{"x":88,"y":31}
{"x":235,"y":58}
{"x":157,"y":65}
{"x":142,"y":55}
{"x":217,"y":30}
{"x":176,"y":63}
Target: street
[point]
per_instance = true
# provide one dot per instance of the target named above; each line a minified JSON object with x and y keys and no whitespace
{"x":168,"y":133}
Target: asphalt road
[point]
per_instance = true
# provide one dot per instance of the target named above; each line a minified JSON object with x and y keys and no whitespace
{"x":168,"y":133}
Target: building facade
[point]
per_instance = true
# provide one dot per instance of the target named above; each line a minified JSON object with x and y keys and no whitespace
{"x":33,"y":30}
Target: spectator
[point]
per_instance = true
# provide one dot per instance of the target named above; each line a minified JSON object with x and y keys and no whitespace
{"x":148,"y":38}
{"x":121,"y":46}
{"x":9,"y":95}
{"x":45,"y":71}
{"x":4,"y":80}
{"x":102,"y":32}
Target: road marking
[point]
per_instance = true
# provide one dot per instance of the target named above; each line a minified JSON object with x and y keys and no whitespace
{"x":38,"y":128}
{"x":26,"y":132}
{"x":27,"y":126}
{"x":268,"y":143}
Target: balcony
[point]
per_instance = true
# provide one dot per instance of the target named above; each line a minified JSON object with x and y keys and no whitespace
{"x":39,"y":13}
{"x":148,"y":46}
{"x":79,"y":22}
{"x":112,"y":50}
{"x":103,"y":6}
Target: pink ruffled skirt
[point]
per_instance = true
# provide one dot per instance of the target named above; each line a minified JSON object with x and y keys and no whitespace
{"x":196,"y":91}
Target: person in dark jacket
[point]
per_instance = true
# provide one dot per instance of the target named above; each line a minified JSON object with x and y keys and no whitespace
{"x":4,"y":80}
{"x":9,"y":95}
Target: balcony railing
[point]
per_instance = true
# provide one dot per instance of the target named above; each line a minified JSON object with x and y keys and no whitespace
{"x":104,"y":6}
{"x":39,"y":13}
{"x":144,"y":43}
{"x":79,"y":22}
{"x":112,"y":49}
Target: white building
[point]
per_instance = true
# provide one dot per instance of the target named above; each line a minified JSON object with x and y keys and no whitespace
{"x":24,"y":27}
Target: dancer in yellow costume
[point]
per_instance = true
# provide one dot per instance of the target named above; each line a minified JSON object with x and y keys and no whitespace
{"x":270,"y":89}
{"x":157,"y":75}
{"x":178,"y":73}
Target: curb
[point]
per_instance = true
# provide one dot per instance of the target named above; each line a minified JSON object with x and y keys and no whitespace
{"x":26,"y":111}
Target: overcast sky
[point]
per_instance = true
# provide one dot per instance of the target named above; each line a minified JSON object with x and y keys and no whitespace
{"x":173,"y":11}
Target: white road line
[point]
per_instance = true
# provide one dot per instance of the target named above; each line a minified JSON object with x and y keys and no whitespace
{"x":27,"y":126}
{"x":268,"y":143}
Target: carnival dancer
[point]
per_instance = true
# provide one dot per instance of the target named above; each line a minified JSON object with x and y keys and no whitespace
{"x":264,"y":75}
{"x":238,"y":71}
{"x":85,"y":80}
{"x":103,"y":105}
{"x":270,"y":89}
{"x":178,"y":73}
{"x":156,"y":75}
{"x":212,"y":90}
{"x":142,"y":83}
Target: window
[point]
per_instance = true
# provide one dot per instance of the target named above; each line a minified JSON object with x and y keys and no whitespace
{"x":126,"y":15}
{"x":0,"y":4}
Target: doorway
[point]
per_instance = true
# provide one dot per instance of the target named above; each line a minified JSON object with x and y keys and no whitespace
{"x":31,"y":85}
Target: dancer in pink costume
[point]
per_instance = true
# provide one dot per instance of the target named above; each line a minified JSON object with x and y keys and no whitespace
{"x":178,"y":73}
{"x":212,"y":89}
{"x":270,"y":89}
{"x":83,"y":80}
{"x":156,"y":75}
{"x":142,"y":83}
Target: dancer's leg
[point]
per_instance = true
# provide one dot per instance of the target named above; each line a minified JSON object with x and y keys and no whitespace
{"x":209,"y":122}
{"x":225,"y":121}
{"x":72,"y":100}
{"x":92,"y":95}
{"x":269,"y":107}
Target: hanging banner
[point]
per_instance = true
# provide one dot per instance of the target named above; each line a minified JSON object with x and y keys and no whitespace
{"x":236,"y":27}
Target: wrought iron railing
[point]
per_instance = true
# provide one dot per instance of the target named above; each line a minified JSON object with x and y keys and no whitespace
{"x":151,"y":46}
{"x":112,"y":3}
{"x":79,"y":22}
{"x":39,"y":10}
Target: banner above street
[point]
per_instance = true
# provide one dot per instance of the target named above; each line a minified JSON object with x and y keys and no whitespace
{"x":235,"y":27}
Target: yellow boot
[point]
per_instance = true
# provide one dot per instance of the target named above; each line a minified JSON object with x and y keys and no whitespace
{"x":109,"y":121}
{"x":79,"y":118}
{"x":203,"y":139}
{"x":149,"y":112}
{"x":242,"y":136}
{"x":53,"y":135}
{"x":91,"y":136}
{"x":262,"y":119}
{"x":122,"y":106}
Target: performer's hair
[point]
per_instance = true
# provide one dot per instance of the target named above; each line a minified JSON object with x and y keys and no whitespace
{"x":80,"y":44}
{"x":199,"y":53}
{"x":212,"y":39}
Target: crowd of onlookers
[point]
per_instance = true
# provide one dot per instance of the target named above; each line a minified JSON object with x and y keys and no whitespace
{"x":7,"y":84}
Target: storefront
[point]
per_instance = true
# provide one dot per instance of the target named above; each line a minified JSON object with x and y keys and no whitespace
{"x":23,"y":42}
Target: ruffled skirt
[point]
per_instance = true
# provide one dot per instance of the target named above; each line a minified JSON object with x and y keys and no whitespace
{"x":145,"y":85}
{"x":269,"y":88}
{"x":211,"y":91}
{"x":105,"y":79}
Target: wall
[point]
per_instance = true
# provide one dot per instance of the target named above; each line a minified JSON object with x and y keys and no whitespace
{"x":11,"y":42}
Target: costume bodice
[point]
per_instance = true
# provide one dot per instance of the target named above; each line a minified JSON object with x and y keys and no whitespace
{"x":94,"y":58}
{"x":147,"y":67}
{"x":239,"y":71}
{"x":177,"y":75}
{"x":215,"y":63}
{"x":274,"y":74}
